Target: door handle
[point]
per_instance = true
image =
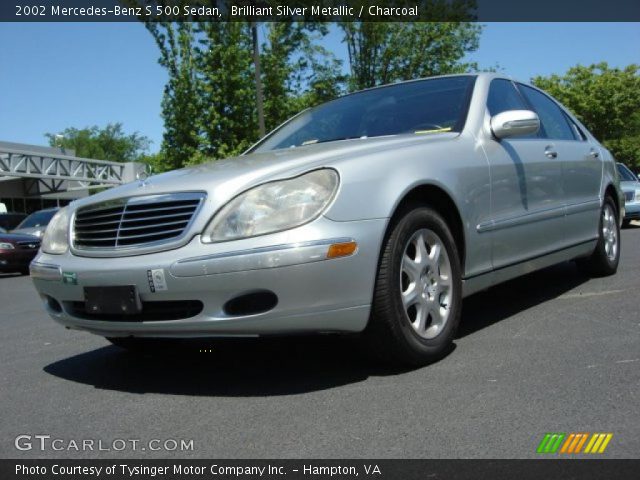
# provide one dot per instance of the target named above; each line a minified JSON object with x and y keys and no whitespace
{"x":550,"y":152}
{"x":594,"y":153}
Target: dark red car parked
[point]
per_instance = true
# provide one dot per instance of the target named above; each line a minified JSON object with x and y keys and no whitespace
{"x":17,"y":251}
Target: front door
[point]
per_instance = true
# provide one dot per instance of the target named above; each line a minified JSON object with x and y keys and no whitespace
{"x":527,"y":198}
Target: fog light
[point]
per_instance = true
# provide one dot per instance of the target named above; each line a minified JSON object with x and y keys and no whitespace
{"x":341,"y":249}
{"x":251,"y":303}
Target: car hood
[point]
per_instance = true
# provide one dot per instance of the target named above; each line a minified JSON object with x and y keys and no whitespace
{"x":18,"y":237}
{"x":30,"y":230}
{"x":628,"y":186}
{"x":224,"y":179}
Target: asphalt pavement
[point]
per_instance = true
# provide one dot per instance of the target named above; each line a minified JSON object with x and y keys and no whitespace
{"x":554,"y":351}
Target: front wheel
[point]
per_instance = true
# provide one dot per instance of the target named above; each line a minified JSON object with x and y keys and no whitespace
{"x":418,"y":293}
{"x":605,"y":258}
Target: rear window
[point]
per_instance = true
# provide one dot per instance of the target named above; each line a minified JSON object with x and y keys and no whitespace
{"x":626,"y":175}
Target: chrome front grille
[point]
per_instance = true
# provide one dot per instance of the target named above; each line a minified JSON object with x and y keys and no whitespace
{"x":629,"y":196}
{"x":135,"y":221}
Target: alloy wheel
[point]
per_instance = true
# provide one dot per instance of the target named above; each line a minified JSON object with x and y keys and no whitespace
{"x":425,"y":283}
{"x":609,"y":232}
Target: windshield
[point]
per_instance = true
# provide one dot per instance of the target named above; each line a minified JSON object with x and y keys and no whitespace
{"x":38,"y":219}
{"x":421,"y":107}
{"x":626,"y":175}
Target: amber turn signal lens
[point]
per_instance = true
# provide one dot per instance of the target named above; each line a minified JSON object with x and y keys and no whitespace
{"x":341,"y":249}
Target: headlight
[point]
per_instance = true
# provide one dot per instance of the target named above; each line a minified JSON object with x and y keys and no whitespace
{"x":273,"y":207}
{"x":6,"y":246}
{"x":56,"y":237}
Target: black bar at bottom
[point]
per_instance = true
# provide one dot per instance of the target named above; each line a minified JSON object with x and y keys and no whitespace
{"x":116,"y":469}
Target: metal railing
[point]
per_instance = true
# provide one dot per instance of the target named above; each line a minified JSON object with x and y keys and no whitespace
{"x":87,"y":171}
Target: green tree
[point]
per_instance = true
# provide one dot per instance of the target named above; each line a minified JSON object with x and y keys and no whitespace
{"x":297,"y":72}
{"x":385,"y":52}
{"x":181,"y":101}
{"x":108,"y":143}
{"x":280,"y":75}
{"x":606,"y":100}
{"x":294,"y":73}
{"x":228,"y":115}
{"x":209,"y":103}
{"x":156,"y":161}
{"x":325,"y":80}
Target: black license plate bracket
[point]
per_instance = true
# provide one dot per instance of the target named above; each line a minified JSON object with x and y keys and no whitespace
{"x":118,"y":300}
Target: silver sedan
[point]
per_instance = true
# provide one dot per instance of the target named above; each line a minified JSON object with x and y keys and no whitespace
{"x":373,"y":214}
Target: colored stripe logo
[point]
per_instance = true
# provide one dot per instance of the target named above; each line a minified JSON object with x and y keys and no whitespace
{"x":574,"y":443}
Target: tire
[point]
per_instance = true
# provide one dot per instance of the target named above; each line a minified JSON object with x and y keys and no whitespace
{"x":606,"y":256}
{"x":24,"y":271}
{"x":626,"y":223}
{"x":141,"y":345}
{"x":396,"y":332}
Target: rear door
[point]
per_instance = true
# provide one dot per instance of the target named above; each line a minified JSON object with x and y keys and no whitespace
{"x":581,"y":167}
{"x":527,"y":199}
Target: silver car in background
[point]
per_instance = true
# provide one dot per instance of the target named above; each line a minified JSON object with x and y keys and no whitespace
{"x":630,"y":185}
{"x":36,"y":223}
{"x":374,"y":214}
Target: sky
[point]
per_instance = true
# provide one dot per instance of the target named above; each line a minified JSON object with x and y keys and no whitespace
{"x":59,"y":75}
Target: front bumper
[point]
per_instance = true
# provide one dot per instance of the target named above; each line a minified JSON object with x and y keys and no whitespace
{"x":314,"y":294}
{"x":15,"y":260}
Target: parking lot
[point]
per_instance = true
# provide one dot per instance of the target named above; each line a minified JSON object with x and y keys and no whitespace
{"x":552,"y":352}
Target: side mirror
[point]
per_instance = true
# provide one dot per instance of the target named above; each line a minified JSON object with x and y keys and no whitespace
{"x":514,"y":123}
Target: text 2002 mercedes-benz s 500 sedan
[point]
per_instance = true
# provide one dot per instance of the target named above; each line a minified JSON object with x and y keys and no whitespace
{"x":375,"y":213}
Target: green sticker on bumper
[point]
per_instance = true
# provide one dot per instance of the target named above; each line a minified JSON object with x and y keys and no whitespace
{"x":70,"y":278}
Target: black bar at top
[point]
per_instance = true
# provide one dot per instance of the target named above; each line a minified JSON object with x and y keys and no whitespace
{"x":320,"y":10}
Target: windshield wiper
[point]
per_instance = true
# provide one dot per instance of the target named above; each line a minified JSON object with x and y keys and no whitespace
{"x":336,"y":139}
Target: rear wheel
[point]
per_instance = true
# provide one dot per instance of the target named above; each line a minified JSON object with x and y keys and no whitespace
{"x":605,"y":258}
{"x":418,"y":293}
{"x":626,"y":223}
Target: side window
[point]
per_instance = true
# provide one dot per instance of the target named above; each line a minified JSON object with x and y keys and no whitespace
{"x":553,"y":120}
{"x":503,"y":96}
